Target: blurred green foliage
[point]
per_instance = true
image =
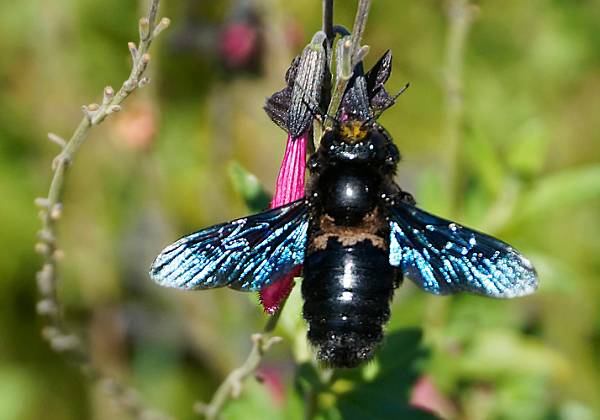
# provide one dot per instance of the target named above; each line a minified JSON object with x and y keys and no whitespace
{"x":529,"y":172}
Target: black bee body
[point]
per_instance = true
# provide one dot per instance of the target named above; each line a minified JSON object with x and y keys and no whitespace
{"x":355,"y":233}
{"x":348,"y":281}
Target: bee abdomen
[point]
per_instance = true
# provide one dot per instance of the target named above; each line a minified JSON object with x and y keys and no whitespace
{"x":347,"y":292}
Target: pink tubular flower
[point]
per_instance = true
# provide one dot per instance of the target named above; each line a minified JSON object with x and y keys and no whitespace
{"x":289,"y":187}
{"x":239,"y":44}
{"x":273,"y":379}
{"x":426,"y":396}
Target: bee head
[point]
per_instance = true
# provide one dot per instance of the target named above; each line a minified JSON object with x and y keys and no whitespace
{"x":353,"y":131}
{"x":356,"y":141}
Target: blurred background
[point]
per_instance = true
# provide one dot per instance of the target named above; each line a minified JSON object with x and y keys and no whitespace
{"x":520,"y":158}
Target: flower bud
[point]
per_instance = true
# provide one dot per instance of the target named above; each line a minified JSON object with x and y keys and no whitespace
{"x":308,"y":85}
{"x":294,"y":107}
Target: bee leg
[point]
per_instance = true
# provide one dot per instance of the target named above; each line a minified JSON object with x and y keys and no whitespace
{"x":395,"y":193}
{"x":398,"y":278}
{"x":407,"y":198}
{"x":391,"y":160}
{"x":315,"y":164}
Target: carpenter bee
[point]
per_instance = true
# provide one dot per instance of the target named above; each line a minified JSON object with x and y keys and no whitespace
{"x":356,"y":233}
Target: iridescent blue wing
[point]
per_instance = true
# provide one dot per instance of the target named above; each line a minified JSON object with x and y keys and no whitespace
{"x":246,"y":254}
{"x":443,"y":257}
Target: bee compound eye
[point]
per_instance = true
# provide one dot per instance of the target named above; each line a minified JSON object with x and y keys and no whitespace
{"x":313,"y":163}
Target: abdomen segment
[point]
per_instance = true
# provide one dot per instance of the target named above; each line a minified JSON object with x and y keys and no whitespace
{"x":347,"y":289}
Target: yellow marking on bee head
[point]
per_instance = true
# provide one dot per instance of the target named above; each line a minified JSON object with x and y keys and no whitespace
{"x":353,"y":131}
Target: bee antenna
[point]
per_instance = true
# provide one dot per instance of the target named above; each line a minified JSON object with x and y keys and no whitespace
{"x":406,"y":86}
{"x":377,"y":115}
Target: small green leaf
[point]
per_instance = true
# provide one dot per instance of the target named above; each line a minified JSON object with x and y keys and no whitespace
{"x":307,"y":377}
{"x":433,"y":195}
{"x":483,"y":160}
{"x":574,"y":410}
{"x":527,"y":151}
{"x":503,"y":354}
{"x":388,"y":394}
{"x":249,"y":187}
{"x":559,"y":191}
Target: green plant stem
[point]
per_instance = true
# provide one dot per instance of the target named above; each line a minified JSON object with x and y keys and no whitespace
{"x":460,"y":15}
{"x":59,"y":336}
{"x":360,"y":23}
{"x":328,"y":21}
{"x":311,"y":404}
{"x":233,"y":384}
{"x":348,"y":56}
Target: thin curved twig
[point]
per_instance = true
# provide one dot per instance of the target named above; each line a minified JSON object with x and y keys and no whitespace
{"x":60,"y":337}
{"x":233,"y":384}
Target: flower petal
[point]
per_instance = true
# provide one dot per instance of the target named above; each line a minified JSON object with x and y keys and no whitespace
{"x":289,"y":187}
